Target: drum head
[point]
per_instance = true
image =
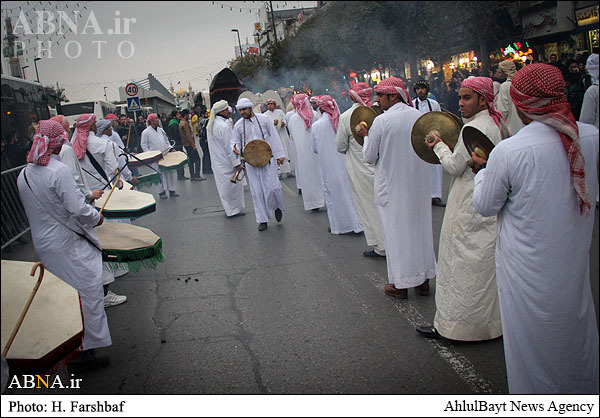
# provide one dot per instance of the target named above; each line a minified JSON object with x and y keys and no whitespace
{"x":53,"y":325}
{"x":142,"y":158}
{"x":173,"y":160}
{"x":126,"y":204}
{"x":257,"y":153}
{"x":125,"y":243}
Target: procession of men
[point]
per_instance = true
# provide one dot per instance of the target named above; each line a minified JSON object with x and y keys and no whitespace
{"x":513,"y":259}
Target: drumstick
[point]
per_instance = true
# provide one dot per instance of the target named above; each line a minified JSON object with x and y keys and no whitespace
{"x":27,"y":305}
{"x":128,"y":135}
{"x":111,"y":191}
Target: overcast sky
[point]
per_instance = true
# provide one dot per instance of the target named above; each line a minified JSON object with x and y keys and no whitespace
{"x":175,"y":41}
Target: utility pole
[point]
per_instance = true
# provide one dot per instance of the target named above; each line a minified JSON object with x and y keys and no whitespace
{"x":273,"y":22}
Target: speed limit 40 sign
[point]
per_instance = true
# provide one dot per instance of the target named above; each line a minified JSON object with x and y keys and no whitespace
{"x":131,"y":89}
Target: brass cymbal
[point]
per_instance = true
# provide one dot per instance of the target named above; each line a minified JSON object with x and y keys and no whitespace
{"x":448,"y":129}
{"x":364,"y":114}
{"x":473,"y":138}
{"x":456,"y":118}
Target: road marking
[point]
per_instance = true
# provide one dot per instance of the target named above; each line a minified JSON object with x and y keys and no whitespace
{"x":461,"y":365}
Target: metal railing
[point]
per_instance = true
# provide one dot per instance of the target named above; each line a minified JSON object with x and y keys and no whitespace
{"x":13,"y":220}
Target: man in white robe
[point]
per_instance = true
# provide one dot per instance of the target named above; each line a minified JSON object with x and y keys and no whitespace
{"x":278,"y":118}
{"x":154,"y":138}
{"x":315,"y":107}
{"x":223,"y":160}
{"x":308,"y":165}
{"x":466,"y":296}
{"x":401,"y":191}
{"x":424,"y":104}
{"x":342,"y":214}
{"x":503,"y":102}
{"x":360,"y":174}
{"x":294,"y":154}
{"x":539,"y":184}
{"x":264,"y":182}
{"x":91,"y":151}
{"x":63,"y":237}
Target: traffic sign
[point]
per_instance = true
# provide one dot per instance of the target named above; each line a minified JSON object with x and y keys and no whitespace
{"x":133,"y":103}
{"x":131,"y":89}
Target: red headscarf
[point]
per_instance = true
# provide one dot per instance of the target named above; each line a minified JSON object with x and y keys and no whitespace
{"x":82,"y":131}
{"x":63,"y":121}
{"x":538,"y":90}
{"x":303,"y":108}
{"x":485,"y":87}
{"x":329,"y":106}
{"x":49,"y":136}
{"x":362,"y":94}
{"x":394,"y":85}
{"x":150,"y":117}
{"x":111,"y":116}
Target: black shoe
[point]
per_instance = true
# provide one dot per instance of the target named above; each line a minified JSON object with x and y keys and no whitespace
{"x":315,"y":209}
{"x":278,"y":214}
{"x":436,"y":201}
{"x":299,"y":191}
{"x":87,"y":361}
{"x":163,"y":195}
{"x":262,"y":226}
{"x":173,"y":194}
{"x":372,"y":253}
{"x":183,"y":178}
{"x":428,"y":331}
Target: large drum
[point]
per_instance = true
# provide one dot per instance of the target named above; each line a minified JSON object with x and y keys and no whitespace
{"x":145,"y":158}
{"x":173,"y":160}
{"x":53,"y":325}
{"x":126,"y":204}
{"x":125,"y":243}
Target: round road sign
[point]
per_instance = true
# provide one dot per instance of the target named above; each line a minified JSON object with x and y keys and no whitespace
{"x":131,"y":89}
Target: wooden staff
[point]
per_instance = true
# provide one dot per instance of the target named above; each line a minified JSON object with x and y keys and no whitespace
{"x":27,"y":305}
{"x":111,"y":190}
{"x":128,"y":136}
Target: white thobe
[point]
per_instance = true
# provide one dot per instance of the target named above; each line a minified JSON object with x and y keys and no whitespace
{"x":115,"y":138}
{"x":402,"y":197}
{"x":466,"y":295}
{"x":264,"y":182}
{"x":317,"y":115}
{"x":341,"y":210}
{"x":589,"y":109}
{"x":68,"y":157}
{"x":58,"y":214}
{"x":542,"y":260}
{"x":288,"y":165}
{"x":157,"y":140}
{"x":103,"y":152}
{"x":308,"y":165}
{"x":223,"y":162}
{"x":435,"y":170}
{"x":361,"y":176}
{"x":294,"y":153}
{"x":506,"y":107}
{"x":117,"y":144}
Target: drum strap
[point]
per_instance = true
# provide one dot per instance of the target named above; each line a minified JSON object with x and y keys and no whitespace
{"x":97,"y":166}
{"x":53,"y":217}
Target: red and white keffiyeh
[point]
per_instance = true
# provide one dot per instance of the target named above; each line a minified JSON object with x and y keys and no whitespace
{"x":150,"y":117}
{"x":485,"y":87}
{"x":328,"y":105}
{"x":111,"y":116}
{"x":49,"y":136}
{"x":362,"y":94}
{"x":303,"y":108}
{"x":538,"y":90}
{"x":394,"y":85}
{"x":82,"y":130}
{"x":63,"y":121}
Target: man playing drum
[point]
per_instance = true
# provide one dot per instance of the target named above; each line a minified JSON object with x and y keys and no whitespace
{"x":264,"y":182}
{"x":64,"y":241}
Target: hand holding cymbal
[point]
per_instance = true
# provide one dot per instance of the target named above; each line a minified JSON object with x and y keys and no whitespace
{"x":432,"y":138}
{"x":361,"y":129}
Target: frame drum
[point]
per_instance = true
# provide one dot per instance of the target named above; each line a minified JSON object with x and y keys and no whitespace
{"x":143,"y":158}
{"x":126,"y":204}
{"x":173,"y":160}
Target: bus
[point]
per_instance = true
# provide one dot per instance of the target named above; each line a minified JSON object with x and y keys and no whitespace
{"x":99,"y":108}
{"x":24,"y":103}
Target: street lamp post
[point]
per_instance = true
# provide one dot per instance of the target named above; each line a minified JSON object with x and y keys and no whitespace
{"x":23,"y":70}
{"x":239,"y":42}
{"x":105,"y":93}
{"x":35,"y":60}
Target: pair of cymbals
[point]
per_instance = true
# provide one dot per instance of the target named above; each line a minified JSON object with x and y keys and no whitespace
{"x":363,"y":115}
{"x":448,"y":128}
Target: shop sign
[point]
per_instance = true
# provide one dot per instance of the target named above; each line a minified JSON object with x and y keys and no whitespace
{"x":517,"y":49}
{"x":587,"y":16}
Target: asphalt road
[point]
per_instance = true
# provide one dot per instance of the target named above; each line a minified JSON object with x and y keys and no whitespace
{"x":291,"y":310}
